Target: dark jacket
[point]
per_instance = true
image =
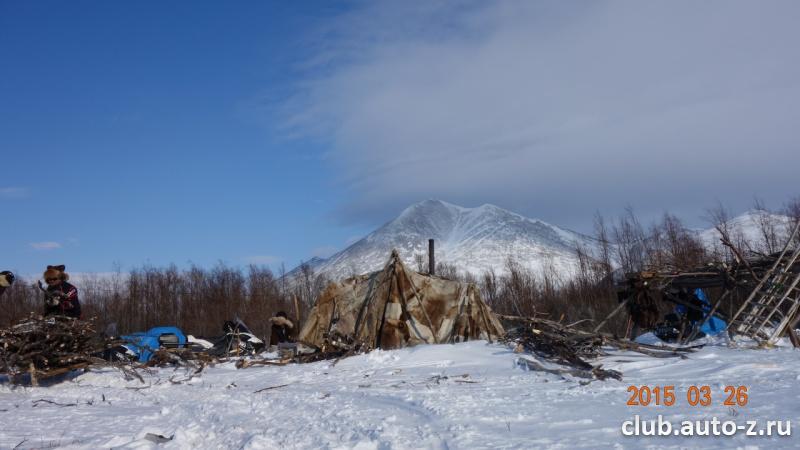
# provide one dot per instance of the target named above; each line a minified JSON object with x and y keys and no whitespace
{"x":282,"y":331}
{"x":69,"y":304}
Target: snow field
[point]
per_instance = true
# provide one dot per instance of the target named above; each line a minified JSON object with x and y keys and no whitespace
{"x":469,"y":395}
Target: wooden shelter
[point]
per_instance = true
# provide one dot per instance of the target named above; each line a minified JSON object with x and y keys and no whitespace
{"x":397,"y":307}
{"x":768,"y":284}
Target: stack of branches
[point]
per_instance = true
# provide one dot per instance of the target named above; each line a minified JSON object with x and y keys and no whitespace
{"x":44,"y":347}
{"x":570,"y":347}
{"x":335,"y":346}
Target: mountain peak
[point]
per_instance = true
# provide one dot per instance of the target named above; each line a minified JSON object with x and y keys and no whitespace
{"x":433,"y":206}
{"x":472,"y":239}
{"x":428,"y":206}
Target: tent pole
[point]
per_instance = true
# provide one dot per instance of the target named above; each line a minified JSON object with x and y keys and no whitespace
{"x":421,"y":305}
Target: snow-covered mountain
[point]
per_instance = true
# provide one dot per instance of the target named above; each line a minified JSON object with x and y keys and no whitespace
{"x":749,"y":227}
{"x":472,"y":239}
{"x":479,"y":239}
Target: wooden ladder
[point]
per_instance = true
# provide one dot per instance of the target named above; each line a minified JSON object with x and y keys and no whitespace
{"x":774,"y":302}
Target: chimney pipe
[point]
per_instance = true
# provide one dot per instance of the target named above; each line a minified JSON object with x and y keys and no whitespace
{"x":431,"y":259}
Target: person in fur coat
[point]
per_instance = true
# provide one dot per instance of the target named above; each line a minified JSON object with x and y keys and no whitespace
{"x":282,"y":329}
{"x":62,"y":297}
{"x":6,"y":280}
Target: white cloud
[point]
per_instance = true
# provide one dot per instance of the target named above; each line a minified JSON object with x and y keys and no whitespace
{"x":261,"y":259}
{"x":46,"y":245}
{"x":13,"y":192}
{"x":551,"y":107}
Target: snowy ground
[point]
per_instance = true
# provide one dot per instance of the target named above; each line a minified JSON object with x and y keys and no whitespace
{"x":400,"y":399}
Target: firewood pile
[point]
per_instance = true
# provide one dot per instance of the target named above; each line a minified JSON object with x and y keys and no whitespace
{"x":567,"y":348}
{"x":44,"y":347}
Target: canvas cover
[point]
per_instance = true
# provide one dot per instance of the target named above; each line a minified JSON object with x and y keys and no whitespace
{"x":397,"y":307}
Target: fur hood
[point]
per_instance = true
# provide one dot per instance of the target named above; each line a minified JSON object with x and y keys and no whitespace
{"x":56,"y":272}
{"x":6,"y":278}
{"x":282,"y":321}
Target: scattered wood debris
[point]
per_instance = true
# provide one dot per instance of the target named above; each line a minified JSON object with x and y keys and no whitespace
{"x":335,"y":347}
{"x":571,"y":347}
{"x":43,"y":348}
{"x":180,"y":357}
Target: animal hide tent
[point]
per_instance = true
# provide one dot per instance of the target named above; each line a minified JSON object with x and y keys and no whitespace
{"x":397,"y":307}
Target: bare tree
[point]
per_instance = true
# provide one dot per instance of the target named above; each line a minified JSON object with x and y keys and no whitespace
{"x":728,"y":247}
{"x":604,"y":244}
{"x":629,"y":237}
{"x":447,"y":271}
{"x":489,"y":287}
{"x":768,"y":228}
{"x":421,"y":263}
{"x":681,"y":248}
{"x":792,"y":210}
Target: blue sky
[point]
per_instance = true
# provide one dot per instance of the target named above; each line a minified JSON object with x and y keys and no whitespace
{"x":132,"y":133}
{"x":269,"y":132}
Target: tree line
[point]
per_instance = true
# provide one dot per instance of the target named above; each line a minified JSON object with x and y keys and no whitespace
{"x":198,"y":300}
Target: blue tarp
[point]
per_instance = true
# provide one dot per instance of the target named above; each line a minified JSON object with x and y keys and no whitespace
{"x":143,"y":344}
{"x":714,"y":325}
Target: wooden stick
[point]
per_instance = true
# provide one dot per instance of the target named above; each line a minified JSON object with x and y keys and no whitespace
{"x":32,"y":371}
{"x":270,"y":387}
{"x":613,"y":313}
{"x":297,"y":309}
